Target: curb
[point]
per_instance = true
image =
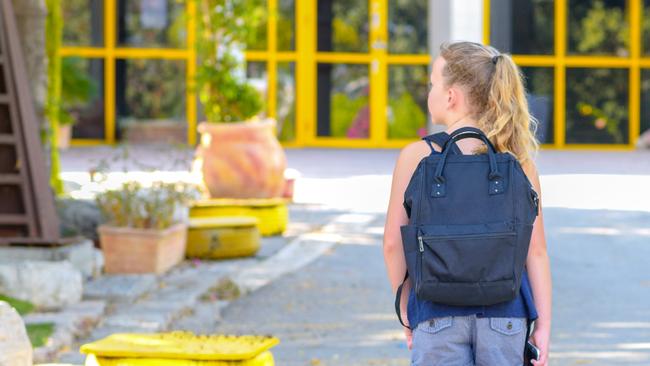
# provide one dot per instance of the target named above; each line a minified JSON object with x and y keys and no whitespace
{"x":158,"y":311}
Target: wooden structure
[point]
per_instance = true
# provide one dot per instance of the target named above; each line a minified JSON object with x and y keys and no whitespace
{"x":27,"y":211}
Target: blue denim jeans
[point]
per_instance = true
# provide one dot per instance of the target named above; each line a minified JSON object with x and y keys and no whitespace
{"x":469,"y":341}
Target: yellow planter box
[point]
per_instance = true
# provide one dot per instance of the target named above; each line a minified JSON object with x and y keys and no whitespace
{"x":272,"y":213}
{"x":180,"y":349}
{"x":222,"y":237}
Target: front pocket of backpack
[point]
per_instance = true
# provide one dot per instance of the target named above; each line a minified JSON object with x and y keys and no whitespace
{"x":469,"y":258}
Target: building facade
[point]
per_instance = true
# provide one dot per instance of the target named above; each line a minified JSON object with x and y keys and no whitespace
{"x":342,"y":73}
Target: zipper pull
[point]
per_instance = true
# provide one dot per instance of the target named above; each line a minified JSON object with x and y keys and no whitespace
{"x":421,"y":244}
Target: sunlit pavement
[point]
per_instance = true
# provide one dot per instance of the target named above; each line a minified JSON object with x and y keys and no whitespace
{"x":338,"y":311}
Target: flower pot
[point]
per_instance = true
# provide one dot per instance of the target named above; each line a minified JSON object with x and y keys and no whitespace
{"x":241,"y":159}
{"x":155,"y":131}
{"x":64,"y":136}
{"x":129,"y":250}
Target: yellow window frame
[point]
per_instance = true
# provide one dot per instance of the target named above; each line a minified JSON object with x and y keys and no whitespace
{"x":560,"y":61}
{"x":110,"y":51}
{"x":306,"y":58}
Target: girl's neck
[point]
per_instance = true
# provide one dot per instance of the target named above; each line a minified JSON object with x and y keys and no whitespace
{"x":465,"y":121}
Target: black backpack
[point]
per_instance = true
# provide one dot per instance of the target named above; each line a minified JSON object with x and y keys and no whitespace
{"x":470,"y":225}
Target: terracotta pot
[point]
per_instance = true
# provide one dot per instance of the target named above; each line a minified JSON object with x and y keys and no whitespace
{"x":156,"y":131}
{"x":241,"y":159}
{"x":129,"y":250}
{"x":63,"y":136}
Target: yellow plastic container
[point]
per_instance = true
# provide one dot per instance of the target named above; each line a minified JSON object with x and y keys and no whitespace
{"x":272,"y":213}
{"x":180,"y":349}
{"x":222,"y":237}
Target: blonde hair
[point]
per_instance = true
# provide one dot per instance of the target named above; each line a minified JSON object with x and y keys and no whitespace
{"x":496,"y":96}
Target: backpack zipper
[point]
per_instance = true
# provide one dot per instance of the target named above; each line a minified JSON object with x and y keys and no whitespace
{"x":481,"y":235}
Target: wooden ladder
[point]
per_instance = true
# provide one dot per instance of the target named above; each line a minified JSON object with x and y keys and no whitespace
{"x":27,"y":208}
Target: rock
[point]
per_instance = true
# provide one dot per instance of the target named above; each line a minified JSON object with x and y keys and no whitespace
{"x":15,"y":348}
{"x":98,"y":267}
{"x":79,"y":217}
{"x":81,"y":254}
{"x":47,"y":285}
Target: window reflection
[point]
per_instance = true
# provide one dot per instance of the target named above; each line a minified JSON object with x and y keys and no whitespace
{"x":645,"y":28}
{"x":286,"y":101}
{"x":598,"y":27}
{"x":342,"y":26}
{"x":597,"y":106}
{"x":645,"y":100}
{"x":286,"y":25}
{"x":539,"y":88}
{"x":148,"y":91}
{"x":82,"y":96}
{"x":343,"y":95}
{"x":84,"y":22}
{"x":151,"y":23}
{"x":407,"y":26}
{"x":522,"y":26}
{"x":407,"y":101}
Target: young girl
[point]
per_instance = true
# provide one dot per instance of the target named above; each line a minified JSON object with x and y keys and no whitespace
{"x":477,"y":86}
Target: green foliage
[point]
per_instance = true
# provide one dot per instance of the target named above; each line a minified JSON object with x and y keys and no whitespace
{"x":256,"y":37}
{"x":645,"y":31}
{"x":599,"y":111}
{"x":407,"y":117}
{"x":53,"y":34}
{"x":77,"y":88}
{"x":286,"y":97}
{"x":408,"y":26}
{"x":39,"y":333}
{"x":152,"y":90}
{"x":598,"y":29}
{"x":22,"y":307}
{"x":135,"y":205}
{"x":349,"y":26}
{"x":77,"y":28}
{"x":171,"y":35}
{"x":286,"y":25}
{"x":223,"y":28}
{"x":343,"y":111}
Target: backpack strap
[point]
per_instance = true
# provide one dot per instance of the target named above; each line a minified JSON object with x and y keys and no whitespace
{"x":398,"y":299}
{"x":440,"y":139}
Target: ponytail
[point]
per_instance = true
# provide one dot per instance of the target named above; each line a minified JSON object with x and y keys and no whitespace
{"x":496,"y":93}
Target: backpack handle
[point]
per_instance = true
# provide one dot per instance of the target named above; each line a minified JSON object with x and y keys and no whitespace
{"x":459,"y":134}
{"x":468,"y":132}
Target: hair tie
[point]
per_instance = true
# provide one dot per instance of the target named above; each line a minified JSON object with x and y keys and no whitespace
{"x":495,"y":58}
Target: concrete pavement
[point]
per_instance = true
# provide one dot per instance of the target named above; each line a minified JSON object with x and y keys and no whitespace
{"x":338,"y":310}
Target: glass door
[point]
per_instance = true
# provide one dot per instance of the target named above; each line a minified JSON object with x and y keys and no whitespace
{"x":343,"y":59}
{"x":371,"y":73}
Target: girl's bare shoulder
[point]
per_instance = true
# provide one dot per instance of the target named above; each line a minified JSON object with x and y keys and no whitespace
{"x":414,"y":152}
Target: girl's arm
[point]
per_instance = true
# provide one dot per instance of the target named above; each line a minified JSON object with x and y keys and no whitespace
{"x":539,"y":273}
{"x":407,"y":161}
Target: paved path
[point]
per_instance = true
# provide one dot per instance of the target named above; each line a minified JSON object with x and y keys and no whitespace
{"x":338,"y":311}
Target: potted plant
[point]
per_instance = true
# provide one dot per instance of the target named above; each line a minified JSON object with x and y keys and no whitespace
{"x":77,"y":88}
{"x":145,"y":229}
{"x":239,"y":155}
{"x":150,"y":110}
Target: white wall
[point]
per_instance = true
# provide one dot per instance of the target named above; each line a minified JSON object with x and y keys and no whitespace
{"x":454,"y":20}
{"x":467,"y":20}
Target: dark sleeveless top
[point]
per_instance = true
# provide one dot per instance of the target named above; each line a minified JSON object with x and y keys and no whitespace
{"x":420,"y":310}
